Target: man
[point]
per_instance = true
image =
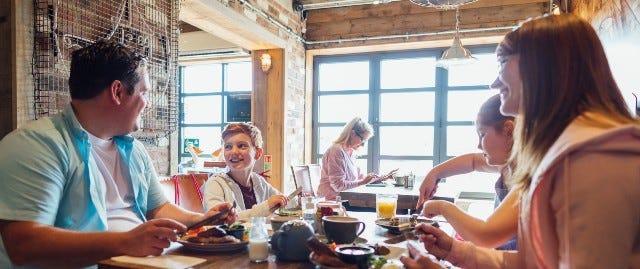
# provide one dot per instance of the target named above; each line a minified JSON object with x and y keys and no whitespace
{"x":76,"y":188}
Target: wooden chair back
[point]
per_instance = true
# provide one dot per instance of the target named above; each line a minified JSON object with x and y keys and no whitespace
{"x":184,"y":190}
{"x":302,"y":178}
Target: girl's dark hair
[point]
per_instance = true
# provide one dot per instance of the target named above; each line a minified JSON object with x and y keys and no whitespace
{"x":95,"y":67}
{"x":489,"y":114}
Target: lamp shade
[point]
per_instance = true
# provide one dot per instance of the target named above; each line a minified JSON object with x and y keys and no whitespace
{"x":455,"y":55}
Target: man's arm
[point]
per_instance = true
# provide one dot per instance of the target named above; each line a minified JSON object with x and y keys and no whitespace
{"x":35,"y":244}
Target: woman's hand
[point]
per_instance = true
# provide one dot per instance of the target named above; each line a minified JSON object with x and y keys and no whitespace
{"x":436,"y":241}
{"x":370,"y":178}
{"x":277,"y":201}
{"x":418,"y":259}
{"x":433,"y":208}
{"x":427,"y":190}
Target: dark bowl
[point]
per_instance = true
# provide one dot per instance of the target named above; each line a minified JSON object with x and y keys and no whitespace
{"x":236,"y":232}
{"x":355,"y":254}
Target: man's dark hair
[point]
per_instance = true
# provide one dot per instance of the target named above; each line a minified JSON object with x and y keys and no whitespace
{"x":95,"y":67}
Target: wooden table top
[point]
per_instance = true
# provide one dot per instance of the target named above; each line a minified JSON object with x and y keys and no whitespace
{"x":240,"y":259}
{"x":365,"y":196}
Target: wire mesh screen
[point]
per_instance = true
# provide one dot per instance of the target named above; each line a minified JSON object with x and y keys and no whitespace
{"x":147,"y":26}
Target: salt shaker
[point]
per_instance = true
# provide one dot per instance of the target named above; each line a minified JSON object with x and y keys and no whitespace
{"x":258,"y":240}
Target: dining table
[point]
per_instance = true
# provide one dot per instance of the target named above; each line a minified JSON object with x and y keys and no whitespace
{"x":365,"y":195}
{"x":240,"y":259}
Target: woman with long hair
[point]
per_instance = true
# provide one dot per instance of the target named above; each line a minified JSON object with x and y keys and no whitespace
{"x":578,"y":149}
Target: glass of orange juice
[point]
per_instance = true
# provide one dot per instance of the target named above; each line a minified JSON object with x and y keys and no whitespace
{"x":386,"y":205}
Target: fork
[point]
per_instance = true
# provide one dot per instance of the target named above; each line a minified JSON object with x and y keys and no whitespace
{"x":209,"y":220}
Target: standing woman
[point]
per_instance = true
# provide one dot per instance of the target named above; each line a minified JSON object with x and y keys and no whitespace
{"x":578,"y":149}
{"x":339,"y":169}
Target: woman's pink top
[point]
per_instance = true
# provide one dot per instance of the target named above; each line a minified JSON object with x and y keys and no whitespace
{"x":339,"y":172}
{"x":582,"y":209}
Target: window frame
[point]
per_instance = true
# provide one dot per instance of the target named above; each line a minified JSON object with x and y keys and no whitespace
{"x":440,"y":89}
{"x":224,"y":94}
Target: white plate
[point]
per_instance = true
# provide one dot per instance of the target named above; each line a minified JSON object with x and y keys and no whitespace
{"x":209,"y":247}
{"x":395,"y":229}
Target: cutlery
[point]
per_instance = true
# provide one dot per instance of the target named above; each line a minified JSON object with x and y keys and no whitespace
{"x":290,"y":197}
{"x":209,"y":220}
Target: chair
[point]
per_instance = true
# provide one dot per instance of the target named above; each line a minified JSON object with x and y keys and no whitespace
{"x":184,"y":190}
{"x":314,"y":175}
{"x":302,"y":178}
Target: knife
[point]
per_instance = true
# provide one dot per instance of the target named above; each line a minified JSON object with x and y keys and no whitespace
{"x":209,"y":220}
{"x":291,"y":196}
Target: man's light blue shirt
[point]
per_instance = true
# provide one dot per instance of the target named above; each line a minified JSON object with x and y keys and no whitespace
{"x":47,"y":175}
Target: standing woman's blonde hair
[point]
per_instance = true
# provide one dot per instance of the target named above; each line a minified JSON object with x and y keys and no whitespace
{"x":360,"y":127}
{"x":564,"y":73}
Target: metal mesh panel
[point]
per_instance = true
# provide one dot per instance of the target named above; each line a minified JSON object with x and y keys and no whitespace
{"x":148,"y":26}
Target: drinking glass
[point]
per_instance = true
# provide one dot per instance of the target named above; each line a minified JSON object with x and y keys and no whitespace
{"x":386,"y":205}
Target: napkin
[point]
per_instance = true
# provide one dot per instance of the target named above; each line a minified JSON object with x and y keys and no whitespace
{"x":164,"y":261}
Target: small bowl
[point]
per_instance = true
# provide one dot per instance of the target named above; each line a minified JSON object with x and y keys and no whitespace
{"x":236,"y":232}
{"x":277,"y":221}
{"x":355,"y":254}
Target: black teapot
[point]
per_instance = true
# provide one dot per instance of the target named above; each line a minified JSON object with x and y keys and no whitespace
{"x":288,"y":243}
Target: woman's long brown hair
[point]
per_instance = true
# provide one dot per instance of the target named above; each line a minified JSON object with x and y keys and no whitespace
{"x":564,"y":73}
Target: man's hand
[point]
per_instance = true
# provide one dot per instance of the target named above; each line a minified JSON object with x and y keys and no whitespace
{"x":230,"y":218}
{"x":151,"y":237}
{"x":436,"y":241}
{"x":418,"y":259}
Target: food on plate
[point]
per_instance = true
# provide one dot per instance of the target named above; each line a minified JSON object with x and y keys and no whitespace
{"x":380,"y":249}
{"x":213,"y":235}
{"x":394,"y":221}
{"x":322,"y":254}
{"x":378,"y":262}
{"x":237,"y":230}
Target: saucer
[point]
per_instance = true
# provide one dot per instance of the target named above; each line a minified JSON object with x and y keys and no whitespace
{"x":358,"y":240}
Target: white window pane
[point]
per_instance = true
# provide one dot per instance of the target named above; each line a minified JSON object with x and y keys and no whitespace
{"x":202,"y":78}
{"x":329,"y":134}
{"x":464,"y":105}
{"x":202,"y":109}
{"x":461,"y":140}
{"x":343,"y":108}
{"x":406,"y":107}
{"x":210,"y":137}
{"x":239,"y":77}
{"x":420,"y":168}
{"x":326,"y":136}
{"x":481,"y":72}
{"x":408,"y":73}
{"x":343,"y":76}
{"x":406,"y":140}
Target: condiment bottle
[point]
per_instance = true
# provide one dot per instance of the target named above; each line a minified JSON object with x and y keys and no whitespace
{"x":258,"y":240}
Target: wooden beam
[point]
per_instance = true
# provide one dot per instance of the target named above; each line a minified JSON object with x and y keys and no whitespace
{"x":220,"y":20}
{"x":404,"y":18}
{"x":267,"y":112}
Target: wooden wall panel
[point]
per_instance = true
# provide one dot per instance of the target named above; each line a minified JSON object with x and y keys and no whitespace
{"x":405,"y":18}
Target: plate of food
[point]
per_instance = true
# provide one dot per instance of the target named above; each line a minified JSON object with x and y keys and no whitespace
{"x":401,"y":223}
{"x":214,"y":239}
{"x":292,"y":212}
{"x":329,"y":256}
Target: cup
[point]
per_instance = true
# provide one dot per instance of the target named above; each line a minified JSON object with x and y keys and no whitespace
{"x":342,"y":230}
{"x":399,"y":180}
{"x":386,"y":205}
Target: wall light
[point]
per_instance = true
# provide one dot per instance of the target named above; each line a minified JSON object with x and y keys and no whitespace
{"x":265,"y":62}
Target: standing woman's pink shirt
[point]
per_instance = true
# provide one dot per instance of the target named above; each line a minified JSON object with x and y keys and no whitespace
{"x":339,"y":172}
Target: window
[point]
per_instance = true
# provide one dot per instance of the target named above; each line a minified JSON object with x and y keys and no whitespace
{"x":422,"y":115}
{"x":212,"y":95}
